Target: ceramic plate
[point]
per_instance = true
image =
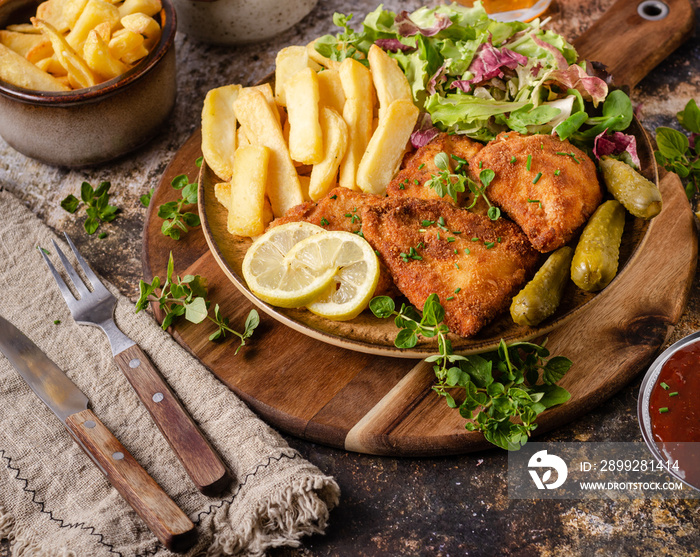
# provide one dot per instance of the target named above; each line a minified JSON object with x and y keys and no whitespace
{"x":367,"y":333}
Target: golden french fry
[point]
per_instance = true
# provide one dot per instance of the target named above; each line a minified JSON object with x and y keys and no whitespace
{"x":241,"y":137}
{"x":335,"y":141}
{"x":358,"y":112}
{"x":222,"y":192}
{"x":305,"y":139}
{"x":389,"y":80}
{"x":52,"y":65}
{"x":330,"y":90}
{"x":94,"y":13}
{"x":319,"y":58}
{"x":247,"y":201}
{"x":39,"y":52}
{"x":305,"y":182}
{"x":99,"y":60}
{"x":144,"y":25}
{"x":262,"y":128}
{"x":22,"y":43}
{"x":219,"y":129}
{"x":23,"y":28}
{"x":288,"y":62}
{"x":17,"y":70}
{"x":62,"y":14}
{"x":382,"y":158}
{"x":266,"y":89}
{"x":127,"y":46}
{"x":104,"y":30}
{"x":79,"y":74}
{"x":148,"y":7}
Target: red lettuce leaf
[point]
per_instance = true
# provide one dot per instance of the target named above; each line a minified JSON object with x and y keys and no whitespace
{"x":616,"y":144}
{"x":393,"y":45}
{"x":424,"y":131}
{"x":407,"y":28}
{"x":488,"y":63}
{"x":575,"y":77}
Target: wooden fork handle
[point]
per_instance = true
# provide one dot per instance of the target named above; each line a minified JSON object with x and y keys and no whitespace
{"x":165,"y":519}
{"x":199,"y":459}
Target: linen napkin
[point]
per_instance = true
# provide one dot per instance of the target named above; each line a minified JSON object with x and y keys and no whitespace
{"x":54,"y":501}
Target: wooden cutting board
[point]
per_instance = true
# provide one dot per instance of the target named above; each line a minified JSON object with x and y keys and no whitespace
{"x":382,"y":405}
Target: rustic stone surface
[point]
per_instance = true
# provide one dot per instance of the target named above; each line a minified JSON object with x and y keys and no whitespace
{"x":450,"y":506}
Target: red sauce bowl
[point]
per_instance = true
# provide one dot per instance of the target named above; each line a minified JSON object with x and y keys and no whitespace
{"x":669,"y":409}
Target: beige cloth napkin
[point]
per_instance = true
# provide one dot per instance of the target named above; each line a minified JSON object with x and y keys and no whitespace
{"x":54,"y":501}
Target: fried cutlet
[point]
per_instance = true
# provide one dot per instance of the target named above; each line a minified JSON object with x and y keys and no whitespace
{"x":473,"y":264}
{"x":546,"y":185}
{"x":419,"y":166}
{"x":340,"y":209}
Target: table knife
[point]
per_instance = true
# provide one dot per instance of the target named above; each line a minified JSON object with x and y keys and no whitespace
{"x":165,"y":519}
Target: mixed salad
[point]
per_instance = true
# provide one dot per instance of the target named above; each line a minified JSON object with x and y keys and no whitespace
{"x":475,"y":76}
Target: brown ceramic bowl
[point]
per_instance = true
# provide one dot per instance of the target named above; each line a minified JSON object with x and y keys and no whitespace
{"x":96,"y":124}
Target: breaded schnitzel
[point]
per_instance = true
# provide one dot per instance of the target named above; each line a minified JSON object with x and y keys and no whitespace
{"x":473,"y":264}
{"x":418,"y":167}
{"x":340,"y":209}
{"x":546,"y":185}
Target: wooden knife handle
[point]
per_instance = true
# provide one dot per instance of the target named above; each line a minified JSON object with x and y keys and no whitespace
{"x":631,"y":46}
{"x":165,"y":519}
{"x":201,"y":462}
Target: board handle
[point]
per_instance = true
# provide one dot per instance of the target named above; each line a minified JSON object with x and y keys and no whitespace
{"x":634,"y":36}
{"x":197,"y":456}
{"x":164,"y":518}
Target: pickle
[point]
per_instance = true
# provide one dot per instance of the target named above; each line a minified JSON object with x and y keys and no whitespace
{"x":541,"y":296}
{"x":638,"y":195}
{"x":596,"y":257}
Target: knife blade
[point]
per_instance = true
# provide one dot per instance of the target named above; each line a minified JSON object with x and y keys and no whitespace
{"x":165,"y":519}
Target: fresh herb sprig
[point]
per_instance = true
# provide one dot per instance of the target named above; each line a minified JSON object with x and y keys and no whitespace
{"x":97,"y":205}
{"x":145,"y":199}
{"x":186,"y":297}
{"x":176,"y":218}
{"x":679,"y":153}
{"x":347,"y":44}
{"x":486,"y":176}
{"x":446,"y":182}
{"x":499,"y":393}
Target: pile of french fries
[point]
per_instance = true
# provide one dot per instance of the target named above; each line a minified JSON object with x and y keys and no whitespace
{"x":73,"y":44}
{"x":326,"y":123}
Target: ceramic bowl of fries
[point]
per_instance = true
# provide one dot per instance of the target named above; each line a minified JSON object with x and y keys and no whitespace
{"x":83,"y":82}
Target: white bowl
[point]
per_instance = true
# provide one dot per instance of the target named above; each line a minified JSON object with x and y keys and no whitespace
{"x":229,"y":22}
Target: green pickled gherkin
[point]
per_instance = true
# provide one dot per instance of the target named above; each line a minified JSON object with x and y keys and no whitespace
{"x":638,"y":195}
{"x":598,"y":251}
{"x":541,"y":296}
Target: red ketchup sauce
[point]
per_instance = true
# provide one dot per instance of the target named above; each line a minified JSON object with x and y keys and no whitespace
{"x":674,"y":408}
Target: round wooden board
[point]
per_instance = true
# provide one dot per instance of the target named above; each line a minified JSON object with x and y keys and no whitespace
{"x":383,"y":405}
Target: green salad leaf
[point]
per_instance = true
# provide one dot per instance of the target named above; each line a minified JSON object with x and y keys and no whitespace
{"x":479,"y":77}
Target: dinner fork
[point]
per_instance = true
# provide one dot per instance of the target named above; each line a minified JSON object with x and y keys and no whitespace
{"x":96,"y":307}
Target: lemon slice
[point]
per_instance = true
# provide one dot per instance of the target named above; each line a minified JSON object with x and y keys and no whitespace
{"x":355,"y":272}
{"x":278,"y":279}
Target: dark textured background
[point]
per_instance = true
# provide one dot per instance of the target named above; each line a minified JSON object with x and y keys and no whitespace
{"x":437,"y":506}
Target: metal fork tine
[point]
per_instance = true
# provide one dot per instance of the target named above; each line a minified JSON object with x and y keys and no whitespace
{"x":92,"y":277}
{"x":74,"y":277}
{"x":67,"y":294}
